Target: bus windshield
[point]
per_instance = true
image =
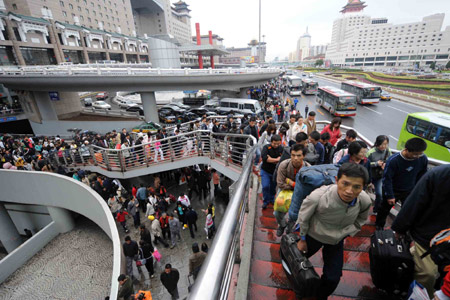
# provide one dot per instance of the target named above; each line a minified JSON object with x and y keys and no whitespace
{"x":372,"y":92}
{"x":294,"y":88}
{"x":346,"y":103}
{"x":312,"y":85}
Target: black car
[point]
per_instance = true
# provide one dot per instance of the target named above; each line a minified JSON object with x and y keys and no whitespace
{"x":175,"y":110}
{"x":135,"y":109}
{"x":202,"y":111}
{"x":187,"y":117}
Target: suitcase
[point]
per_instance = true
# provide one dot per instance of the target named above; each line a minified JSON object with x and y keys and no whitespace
{"x":304,"y":279}
{"x":391,"y":263}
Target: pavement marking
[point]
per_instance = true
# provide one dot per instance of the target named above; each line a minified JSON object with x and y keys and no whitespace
{"x":377,"y":112}
{"x":393,"y":138}
{"x":309,"y":102}
{"x":320,"y":112}
{"x":398,"y":109}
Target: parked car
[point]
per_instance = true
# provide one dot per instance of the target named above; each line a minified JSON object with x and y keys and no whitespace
{"x":175,"y":110}
{"x":187,"y":117}
{"x":136,"y":108}
{"x":385,"y":96}
{"x":127,"y":104}
{"x":210,"y":107}
{"x":201,"y":112}
{"x":180,"y":105}
{"x":149,"y":127}
{"x":101,"y":105}
{"x":87,"y":101}
{"x":167,"y":118}
{"x":102,"y":96}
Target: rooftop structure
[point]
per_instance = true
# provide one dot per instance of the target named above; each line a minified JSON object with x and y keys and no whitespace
{"x":353,"y":6}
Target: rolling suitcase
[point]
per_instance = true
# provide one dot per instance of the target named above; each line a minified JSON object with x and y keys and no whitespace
{"x":304,"y":279}
{"x":391,"y":263}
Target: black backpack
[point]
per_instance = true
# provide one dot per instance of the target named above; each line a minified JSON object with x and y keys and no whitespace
{"x":440,"y":250}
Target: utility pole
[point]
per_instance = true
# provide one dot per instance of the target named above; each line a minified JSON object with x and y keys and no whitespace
{"x":259,"y":39}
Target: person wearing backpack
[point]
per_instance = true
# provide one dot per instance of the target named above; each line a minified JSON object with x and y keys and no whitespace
{"x":287,"y":170}
{"x":271,"y":155}
{"x":378,"y":156}
{"x":316,"y":151}
{"x":330,"y":214}
{"x":424,"y":213}
{"x":350,"y":136}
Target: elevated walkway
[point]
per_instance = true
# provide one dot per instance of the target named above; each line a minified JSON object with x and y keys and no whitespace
{"x":224,"y":152}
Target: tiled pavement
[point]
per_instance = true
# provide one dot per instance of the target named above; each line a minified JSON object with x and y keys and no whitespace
{"x":74,"y":265}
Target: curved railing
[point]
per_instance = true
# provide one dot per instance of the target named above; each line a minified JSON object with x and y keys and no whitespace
{"x":133,"y":70}
{"x":51,"y":189}
{"x":230,"y":149}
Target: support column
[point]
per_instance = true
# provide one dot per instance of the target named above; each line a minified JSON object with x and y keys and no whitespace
{"x":9,"y":236}
{"x":12,"y":37}
{"x":199,"y":42}
{"x":45,"y":106}
{"x":62,"y":218}
{"x":83,"y":44}
{"x":212,"y":56}
{"x":243,"y":93}
{"x":59,"y":54}
{"x":149,"y":105}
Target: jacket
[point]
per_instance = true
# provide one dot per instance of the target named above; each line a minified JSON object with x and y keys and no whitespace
{"x":425,"y":212}
{"x":328,"y":219}
{"x":310,"y":127}
{"x":132,"y":207}
{"x":145,"y":236}
{"x":191,"y":216}
{"x":174,"y":225}
{"x":126,"y":290}
{"x":364,"y":162}
{"x":156,"y":228}
{"x":286,"y":170}
{"x":195,"y":261}
{"x":131,"y":249}
{"x":248,"y":130}
{"x":291,"y":132}
{"x":170,"y":280}
{"x":334,"y":134}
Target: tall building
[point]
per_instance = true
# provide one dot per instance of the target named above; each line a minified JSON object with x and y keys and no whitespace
{"x":316,"y":50}
{"x":361,"y":41}
{"x":112,"y":15}
{"x":159,"y":17}
{"x":303,"y":45}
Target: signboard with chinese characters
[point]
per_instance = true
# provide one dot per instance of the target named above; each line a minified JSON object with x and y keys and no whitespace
{"x":54,"y":96}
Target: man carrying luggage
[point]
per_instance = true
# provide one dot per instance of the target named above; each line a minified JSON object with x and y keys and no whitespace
{"x":330,"y":214}
{"x":271,"y":155}
{"x":287,"y":170}
{"x":401,"y":173}
{"x":424,"y":214}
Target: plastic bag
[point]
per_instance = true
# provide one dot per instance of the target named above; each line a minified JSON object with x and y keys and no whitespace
{"x":283,"y":201}
{"x":417,"y":292}
{"x":157,"y":255}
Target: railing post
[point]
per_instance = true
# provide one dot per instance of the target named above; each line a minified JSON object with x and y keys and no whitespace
{"x":146,"y":155}
{"x":81,"y":156}
{"x":106,"y":159}
{"x":213,"y":145}
{"x":72,"y":156}
{"x":91,"y":151}
{"x":64,"y":157}
{"x":225,"y":150}
{"x":121,"y":161}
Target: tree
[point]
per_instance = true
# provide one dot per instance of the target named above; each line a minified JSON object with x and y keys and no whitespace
{"x":447,"y":66}
{"x":319,"y":62}
{"x":433,"y":65}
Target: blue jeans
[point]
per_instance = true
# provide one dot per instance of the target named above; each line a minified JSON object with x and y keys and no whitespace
{"x":333,"y":261}
{"x":257,"y":155}
{"x":268,"y":187}
{"x":378,"y":193}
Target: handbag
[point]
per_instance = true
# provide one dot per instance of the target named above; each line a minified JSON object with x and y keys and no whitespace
{"x":157,"y":255}
{"x":142,"y":261}
{"x":283,"y":201}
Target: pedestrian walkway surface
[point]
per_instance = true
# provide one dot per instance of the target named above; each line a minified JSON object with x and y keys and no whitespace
{"x":268,"y":279}
{"x":178,"y":257}
{"x":75,"y":265}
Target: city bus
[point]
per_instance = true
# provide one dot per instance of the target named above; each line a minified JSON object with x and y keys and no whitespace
{"x":338,"y":102}
{"x":309,"y":86}
{"x":365,"y":93}
{"x":433,"y":127}
{"x":294,"y":85}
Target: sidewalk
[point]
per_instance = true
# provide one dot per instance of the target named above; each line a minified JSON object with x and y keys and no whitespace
{"x":419,"y":102}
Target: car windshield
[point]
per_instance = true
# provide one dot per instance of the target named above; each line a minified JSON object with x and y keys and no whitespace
{"x":101,"y":102}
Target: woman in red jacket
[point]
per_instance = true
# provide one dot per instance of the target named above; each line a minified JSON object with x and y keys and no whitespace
{"x":334,"y":130}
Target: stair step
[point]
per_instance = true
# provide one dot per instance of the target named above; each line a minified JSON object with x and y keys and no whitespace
{"x":265,"y":222}
{"x":266,"y":235}
{"x":266,"y":251}
{"x":257,"y":292}
{"x":366,"y":231}
{"x":356,"y":243}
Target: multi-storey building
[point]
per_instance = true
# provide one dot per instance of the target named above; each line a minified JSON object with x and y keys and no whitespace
{"x":303,"y":45}
{"x":250,"y":54}
{"x":361,"y":41}
{"x":316,"y":50}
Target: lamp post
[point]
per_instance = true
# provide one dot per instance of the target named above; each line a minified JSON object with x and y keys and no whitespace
{"x":259,"y":38}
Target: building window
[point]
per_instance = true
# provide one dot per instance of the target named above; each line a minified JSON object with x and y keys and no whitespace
{"x":14,"y":6}
{"x":79,"y":8}
{"x":71,"y":6}
{"x":81,"y":18}
{"x":92,"y":4}
{"x":61,"y":3}
{"x":89,"y":19}
{"x":87,"y":11}
{"x":64,"y":14}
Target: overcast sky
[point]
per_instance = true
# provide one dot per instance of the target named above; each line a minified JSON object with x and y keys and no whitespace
{"x":283,"y":21}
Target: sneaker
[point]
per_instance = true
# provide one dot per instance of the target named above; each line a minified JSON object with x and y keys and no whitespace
{"x":280,"y":231}
{"x":152,"y":276}
{"x":173,"y":246}
{"x":264,"y":206}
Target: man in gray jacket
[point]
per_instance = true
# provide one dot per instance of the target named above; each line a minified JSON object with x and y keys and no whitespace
{"x":330,"y":214}
{"x":175,"y":228}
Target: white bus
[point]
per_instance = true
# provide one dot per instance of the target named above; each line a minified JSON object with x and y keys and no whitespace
{"x":365,"y":93}
{"x":294,"y":85}
{"x":309,"y":86}
{"x":338,"y":102}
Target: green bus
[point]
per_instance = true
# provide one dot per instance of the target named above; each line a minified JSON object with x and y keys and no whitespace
{"x":433,"y":127}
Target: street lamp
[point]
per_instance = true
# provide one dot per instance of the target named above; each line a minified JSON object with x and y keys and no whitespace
{"x":259,"y":38}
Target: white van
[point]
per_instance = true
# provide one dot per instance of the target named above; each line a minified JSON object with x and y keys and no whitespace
{"x":241,"y":105}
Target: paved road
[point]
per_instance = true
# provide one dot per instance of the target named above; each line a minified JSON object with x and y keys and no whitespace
{"x":386,"y":117}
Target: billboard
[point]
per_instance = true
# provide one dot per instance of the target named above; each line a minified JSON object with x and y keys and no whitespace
{"x":248,"y":59}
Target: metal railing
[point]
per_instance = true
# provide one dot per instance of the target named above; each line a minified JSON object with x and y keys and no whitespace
{"x":229,"y":148}
{"x":112,"y":70}
{"x":113,"y":113}
{"x":10,"y":112}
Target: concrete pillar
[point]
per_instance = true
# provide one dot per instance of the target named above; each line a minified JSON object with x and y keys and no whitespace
{"x":9,"y":236}
{"x":149,"y":105}
{"x":45,"y":106}
{"x":83,"y":44}
{"x":59,"y":54}
{"x":62,"y":218}
{"x":12,"y":37}
{"x":243,"y":93}
{"x":107,"y":55}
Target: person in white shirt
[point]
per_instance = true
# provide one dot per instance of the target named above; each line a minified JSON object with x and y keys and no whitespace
{"x":184,"y":200}
{"x":300,"y":127}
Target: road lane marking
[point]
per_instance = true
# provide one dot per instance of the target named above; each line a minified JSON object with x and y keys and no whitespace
{"x":393,"y":138}
{"x":377,"y":112}
{"x":309,"y":102}
{"x":398,"y":109}
{"x":320,"y":112}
